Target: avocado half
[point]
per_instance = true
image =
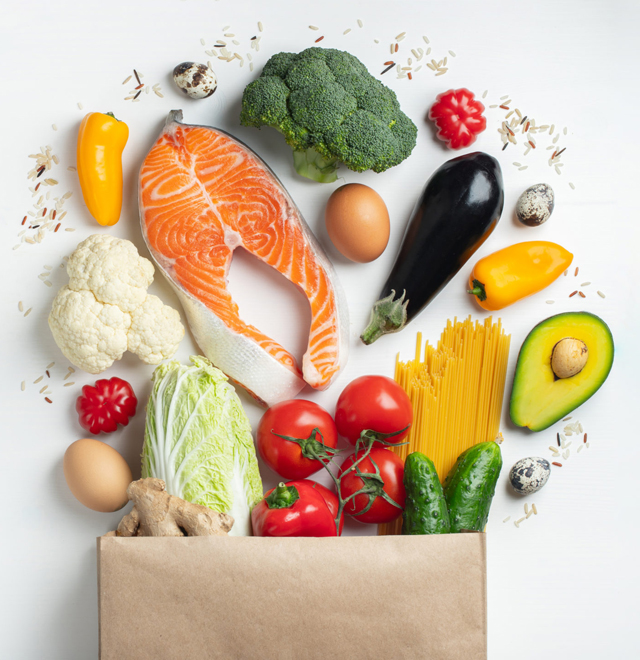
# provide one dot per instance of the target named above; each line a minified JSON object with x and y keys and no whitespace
{"x":538,"y":398}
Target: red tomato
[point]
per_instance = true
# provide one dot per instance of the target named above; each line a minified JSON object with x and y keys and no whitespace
{"x":106,"y":404}
{"x":293,"y":509}
{"x":292,"y":459}
{"x":391,"y":469}
{"x":330,"y":498}
{"x":458,"y":116}
{"x":377,"y":403}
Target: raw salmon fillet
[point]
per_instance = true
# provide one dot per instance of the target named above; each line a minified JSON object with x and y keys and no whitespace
{"x":202,"y":194}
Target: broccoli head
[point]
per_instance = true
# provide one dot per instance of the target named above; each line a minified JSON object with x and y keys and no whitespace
{"x":331,"y":110}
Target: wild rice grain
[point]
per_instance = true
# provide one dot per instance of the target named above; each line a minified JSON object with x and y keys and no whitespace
{"x":557,"y":464}
{"x":318,"y":39}
{"x":575,"y":274}
{"x":395,"y":49}
{"x":409,"y":76}
{"x":47,"y":399}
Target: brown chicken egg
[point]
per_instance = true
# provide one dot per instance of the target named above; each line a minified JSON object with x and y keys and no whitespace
{"x":357,"y":222}
{"x":97,"y":475}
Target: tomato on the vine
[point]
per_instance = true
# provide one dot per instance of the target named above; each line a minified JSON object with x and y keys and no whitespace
{"x":375,"y":403}
{"x":383,"y":486}
{"x":330,"y":498}
{"x":296,"y":437}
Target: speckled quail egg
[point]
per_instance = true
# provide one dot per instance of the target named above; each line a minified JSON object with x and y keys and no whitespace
{"x":197,"y":81}
{"x":529,"y":475}
{"x":535,"y":205}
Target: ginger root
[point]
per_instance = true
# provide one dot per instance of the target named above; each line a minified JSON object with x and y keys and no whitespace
{"x":156,"y":513}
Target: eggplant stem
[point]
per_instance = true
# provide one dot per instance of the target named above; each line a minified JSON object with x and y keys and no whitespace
{"x":388,"y":315}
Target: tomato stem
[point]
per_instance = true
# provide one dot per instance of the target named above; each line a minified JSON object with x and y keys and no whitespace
{"x":311,"y":447}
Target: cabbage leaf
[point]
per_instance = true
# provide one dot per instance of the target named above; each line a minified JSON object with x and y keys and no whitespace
{"x":198,"y":441}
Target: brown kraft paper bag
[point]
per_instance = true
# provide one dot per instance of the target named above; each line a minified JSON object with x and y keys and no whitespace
{"x":293,"y":598}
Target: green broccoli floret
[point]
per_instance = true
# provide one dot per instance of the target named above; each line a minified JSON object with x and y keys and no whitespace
{"x":330,"y":109}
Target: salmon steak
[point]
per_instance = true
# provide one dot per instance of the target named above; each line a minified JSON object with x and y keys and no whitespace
{"x":202,"y":194}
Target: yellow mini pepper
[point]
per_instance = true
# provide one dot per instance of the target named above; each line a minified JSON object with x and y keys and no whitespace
{"x":516,"y":272}
{"x":101,"y":140}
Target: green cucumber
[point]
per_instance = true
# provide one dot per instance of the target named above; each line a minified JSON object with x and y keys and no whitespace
{"x":425,"y":509}
{"x":471,"y":485}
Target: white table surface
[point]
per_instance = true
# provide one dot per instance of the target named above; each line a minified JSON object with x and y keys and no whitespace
{"x":563,"y":585}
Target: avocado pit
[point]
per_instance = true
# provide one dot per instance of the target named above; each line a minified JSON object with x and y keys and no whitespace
{"x":569,"y":357}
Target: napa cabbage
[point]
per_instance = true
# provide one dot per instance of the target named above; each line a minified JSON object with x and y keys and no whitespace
{"x":198,"y":441}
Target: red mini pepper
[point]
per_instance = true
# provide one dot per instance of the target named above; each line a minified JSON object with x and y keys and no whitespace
{"x":458,"y":116}
{"x":106,"y":404}
{"x":293,"y":509}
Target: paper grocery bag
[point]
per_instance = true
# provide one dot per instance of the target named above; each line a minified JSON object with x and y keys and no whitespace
{"x":384,"y":597}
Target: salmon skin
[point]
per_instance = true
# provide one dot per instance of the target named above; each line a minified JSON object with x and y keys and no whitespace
{"x":202,"y":194}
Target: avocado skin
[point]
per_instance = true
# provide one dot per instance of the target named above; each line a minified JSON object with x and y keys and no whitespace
{"x":470,"y":486}
{"x":560,"y":396}
{"x":425,"y":509}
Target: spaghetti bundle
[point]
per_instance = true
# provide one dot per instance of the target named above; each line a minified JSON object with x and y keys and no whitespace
{"x":456,"y":391}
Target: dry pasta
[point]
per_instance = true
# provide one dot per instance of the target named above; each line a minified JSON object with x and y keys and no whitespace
{"x":456,"y":390}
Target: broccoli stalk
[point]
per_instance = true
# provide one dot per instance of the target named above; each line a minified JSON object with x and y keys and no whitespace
{"x":311,"y":164}
{"x":330,"y":111}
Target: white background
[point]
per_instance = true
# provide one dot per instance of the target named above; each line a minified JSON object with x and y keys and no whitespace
{"x":563,"y":585}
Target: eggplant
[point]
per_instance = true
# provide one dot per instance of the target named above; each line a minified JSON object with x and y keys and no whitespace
{"x":456,"y":212}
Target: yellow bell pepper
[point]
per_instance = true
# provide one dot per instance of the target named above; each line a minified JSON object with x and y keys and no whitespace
{"x":516,"y":272}
{"x":101,"y":140}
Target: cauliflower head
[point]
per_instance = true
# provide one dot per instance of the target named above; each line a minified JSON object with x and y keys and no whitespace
{"x":112,"y":269}
{"x":156,"y":331}
{"x":105,"y":309}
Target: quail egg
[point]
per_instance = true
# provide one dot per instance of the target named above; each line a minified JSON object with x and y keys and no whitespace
{"x":529,"y":475}
{"x":197,"y":81}
{"x":535,"y":205}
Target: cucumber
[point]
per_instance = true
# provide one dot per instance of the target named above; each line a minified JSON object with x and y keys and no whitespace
{"x":425,"y":509}
{"x":470,"y":486}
